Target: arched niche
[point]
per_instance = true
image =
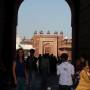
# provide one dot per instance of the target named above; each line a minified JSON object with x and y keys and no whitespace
{"x":70,"y":4}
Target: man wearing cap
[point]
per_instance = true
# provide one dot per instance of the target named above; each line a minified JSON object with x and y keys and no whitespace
{"x":31,"y":64}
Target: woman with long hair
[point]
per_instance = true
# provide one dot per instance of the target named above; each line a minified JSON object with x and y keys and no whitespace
{"x":19,"y":70}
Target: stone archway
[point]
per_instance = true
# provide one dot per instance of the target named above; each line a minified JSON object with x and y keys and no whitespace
{"x":21,"y":13}
{"x":8,"y":23}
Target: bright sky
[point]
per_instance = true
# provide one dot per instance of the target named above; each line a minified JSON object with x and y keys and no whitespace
{"x":52,"y":15}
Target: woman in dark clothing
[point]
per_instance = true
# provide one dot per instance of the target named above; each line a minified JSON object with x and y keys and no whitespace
{"x":19,"y":70}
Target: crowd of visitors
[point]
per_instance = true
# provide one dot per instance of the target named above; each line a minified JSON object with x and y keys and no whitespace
{"x":70,"y":77}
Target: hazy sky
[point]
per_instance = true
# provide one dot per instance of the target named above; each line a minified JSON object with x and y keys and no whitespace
{"x":52,"y":15}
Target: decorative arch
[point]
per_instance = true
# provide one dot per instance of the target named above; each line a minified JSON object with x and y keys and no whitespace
{"x":8,"y":23}
{"x":72,"y":5}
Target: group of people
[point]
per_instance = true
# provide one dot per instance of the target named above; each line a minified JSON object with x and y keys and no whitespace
{"x":69,"y":76}
{"x":82,"y":75}
{"x":25,"y":70}
{"x":75,"y":77}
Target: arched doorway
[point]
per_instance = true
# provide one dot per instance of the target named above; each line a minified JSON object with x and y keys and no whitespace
{"x":22,"y":27}
{"x":8,"y":23}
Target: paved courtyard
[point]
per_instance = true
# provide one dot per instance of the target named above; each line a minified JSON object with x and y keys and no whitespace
{"x":52,"y":82}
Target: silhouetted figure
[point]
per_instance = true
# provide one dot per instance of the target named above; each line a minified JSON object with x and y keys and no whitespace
{"x":83,"y":61}
{"x":53,"y":63}
{"x":39,"y":56}
{"x":44,"y":70}
{"x":59,"y":60}
{"x":77,"y":72}
{"x":39,"y":62}
{"x":32,"y":70}
{"x":80,"y":64}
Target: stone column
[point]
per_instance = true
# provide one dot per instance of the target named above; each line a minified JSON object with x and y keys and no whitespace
{"x":74,"y":23}
{"x":8,"y":23}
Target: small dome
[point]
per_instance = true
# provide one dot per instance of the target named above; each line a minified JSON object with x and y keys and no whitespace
{"x":48,"y":32}
{"x":41,"y":32}
{"x":55,"y":32}
{"x":61,"y":32}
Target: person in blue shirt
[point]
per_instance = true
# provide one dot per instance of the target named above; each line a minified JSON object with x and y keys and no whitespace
{"x":19,"y":70}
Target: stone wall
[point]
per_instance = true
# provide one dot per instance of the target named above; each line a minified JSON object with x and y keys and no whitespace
{"x":51,"y":44}
{"x":84,"y":27}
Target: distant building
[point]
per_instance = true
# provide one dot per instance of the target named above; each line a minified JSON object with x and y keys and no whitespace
{"x":24,"y":43}
{"x":18,"y":40}
{"x":47,"y":43}
{"x":52,"y":43}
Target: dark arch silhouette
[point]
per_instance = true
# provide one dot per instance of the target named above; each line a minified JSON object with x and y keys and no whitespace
{"x":8,"y":23}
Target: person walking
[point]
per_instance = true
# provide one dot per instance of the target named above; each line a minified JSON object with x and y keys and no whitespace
{"x":31,"y":67}
{"x":65,"y":71}
{"x":44,"y":70}
{"x":53,"y":63}
{"x":19,"y":70}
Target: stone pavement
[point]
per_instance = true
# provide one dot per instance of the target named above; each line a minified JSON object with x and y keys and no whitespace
{"x":52,"y":82}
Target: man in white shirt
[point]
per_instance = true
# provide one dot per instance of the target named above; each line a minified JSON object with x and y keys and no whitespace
{"x":65,"y":71}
